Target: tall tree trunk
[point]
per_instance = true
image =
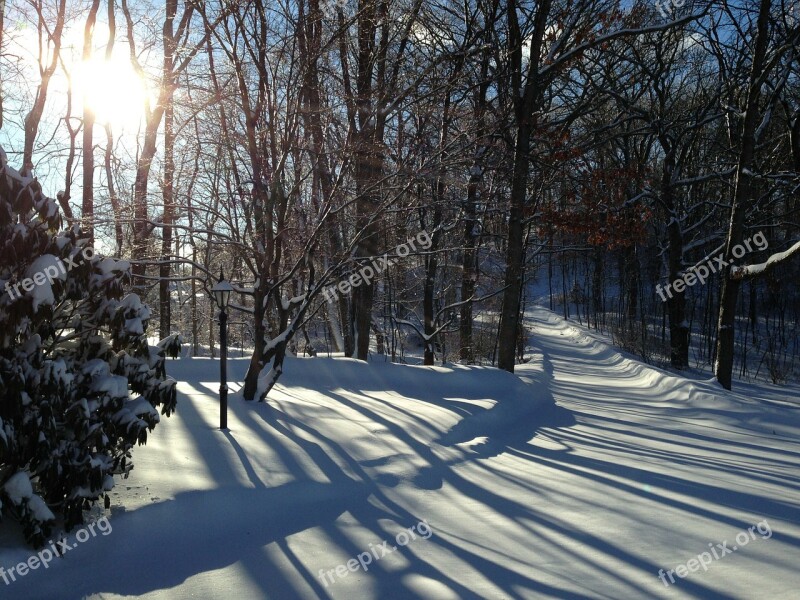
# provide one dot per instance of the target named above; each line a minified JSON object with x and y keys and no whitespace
{"x":469,"y":266}
{"x":676,"y":300}
{"x":257,"y":360}
{"x":510,"y":316}
{"x":193,"y":300}
{"x":743,"y":194}
{"x":34,"y":117}
{"x":112,"y":193}
{"x":469,"y":262}
{"x":2,"y":31}
{"x":676,"y":303}
{"x":432,"y":257}
{"x":87,"y":205}
{"x":65,"y":196}
{"x":310,"y":42}
{"x":526,"y":91}
{"x":141,"y":226}
{"x":429,"y":300}
{"x":597,"y":284}
{"x":369,"y":166}
{"x":165,"y":305}
{"x":368,"y":141}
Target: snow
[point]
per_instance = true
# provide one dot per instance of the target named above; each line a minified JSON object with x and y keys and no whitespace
{"x":56,"y":372}
{"x":132,"y":302}
{"x":114,"y":385}
{"x":757,"y":269}
{"x":108,"y":266}
{"x":10,"y":172}
{"x":134,"y":326}
{"x":18,"y":487}
{"x":278,"y":339}
{"x":20,"y":491}
{"x":294,"y":301}
{"x":580,"y":476}
{"x":129,"y":415}
{"x":96,"y":368}
{"x":40,"y":509}
{"x":42,"y":293}
{"x":43,"y":262}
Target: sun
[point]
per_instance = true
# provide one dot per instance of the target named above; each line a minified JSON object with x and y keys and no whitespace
{"x":112,"y":89}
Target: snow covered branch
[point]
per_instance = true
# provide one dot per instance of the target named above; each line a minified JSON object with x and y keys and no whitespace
{"x":750,"y":271}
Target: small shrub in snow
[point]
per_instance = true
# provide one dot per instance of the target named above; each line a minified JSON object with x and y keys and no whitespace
{"x":79,"y":385}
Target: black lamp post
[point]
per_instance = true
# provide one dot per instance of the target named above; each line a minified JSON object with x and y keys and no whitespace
{"x":222,"y":293}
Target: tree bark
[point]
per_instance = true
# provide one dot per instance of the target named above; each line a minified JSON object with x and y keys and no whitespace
{"x":2,"y":31}
{"x":87,"y":204}
{"x":34,"y":117}
{"x":112,"y":193}
{"x":743,"y":194}
{"x":165,"y":270}
{"x":524,"y":108}
{"x":310,"y":42}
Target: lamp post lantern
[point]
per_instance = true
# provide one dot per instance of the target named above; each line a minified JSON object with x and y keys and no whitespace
{"x":222,"y":293}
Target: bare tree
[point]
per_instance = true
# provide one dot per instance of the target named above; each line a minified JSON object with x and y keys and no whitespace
{"x":754,"y":123}
{"x":48,"y":58}
{"x":87,"y":212}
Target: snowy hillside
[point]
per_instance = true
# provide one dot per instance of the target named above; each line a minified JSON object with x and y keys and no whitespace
{"x":581,"y":476}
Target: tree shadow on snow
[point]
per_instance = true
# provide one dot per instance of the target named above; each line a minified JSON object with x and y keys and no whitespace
{"x":200,"y":531}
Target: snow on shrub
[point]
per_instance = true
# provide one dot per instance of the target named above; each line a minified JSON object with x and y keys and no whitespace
{"x":79,"y":384}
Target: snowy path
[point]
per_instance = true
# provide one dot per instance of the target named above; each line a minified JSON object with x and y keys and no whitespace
{"x":580,"y":477}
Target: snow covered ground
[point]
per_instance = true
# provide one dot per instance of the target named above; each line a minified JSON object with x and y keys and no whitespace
{"x":581,"y":476}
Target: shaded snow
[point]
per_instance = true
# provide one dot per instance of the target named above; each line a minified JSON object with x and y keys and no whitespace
{"x":580,"y":476}
{"x":18,"y":487}
{"x":20,"y":492}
